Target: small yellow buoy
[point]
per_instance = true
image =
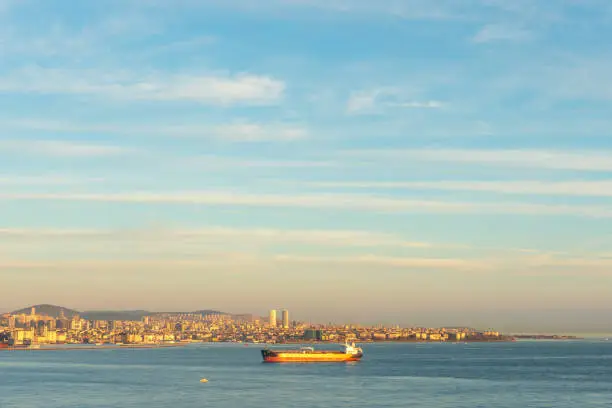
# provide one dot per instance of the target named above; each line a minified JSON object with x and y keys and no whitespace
{"x":203,"y":380}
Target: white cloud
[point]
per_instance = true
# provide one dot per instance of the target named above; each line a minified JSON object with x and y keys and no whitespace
{"x":500,"y":32}
{"x":218,"y":162}
{"x":246,"y":262}
{"x":206,"y":246}
{"x":237,"y":262}
{"x":601,"y":188}
{"x":465,"y":10}
{"x":577,"y":78}
{"x":251,"y":132}
{"x":237,"y":131}
{"x":419,"y":105}
{"x":45,"y":179}
{"x":524,"y":158}
{"x":406,"y":9}
{"x":568,"y":262}
{"x":185,"y":45}
{"x":360,"y":102}
{"x":400,"y":262}
{"x":379,"y":99}
{"x":262,"y":247}
{"x":403,"y":9}
{"x":57,"y":148}
{"x":251,"y":236}
{"x":330,"y":201}
{"x":222,"y":89}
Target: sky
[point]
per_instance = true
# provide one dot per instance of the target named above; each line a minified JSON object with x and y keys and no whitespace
{"x":419,"y":162}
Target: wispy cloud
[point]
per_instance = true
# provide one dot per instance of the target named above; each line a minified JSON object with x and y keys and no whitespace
{"x":185,"y":247}
{"x":407,"y":9}
{"x":602,"y":188}
{"x":221,"y":89}
{"x":252,"y":236}
{"x":57,"y":148}
{"x":184,"y":45}
{"x":571,"y":262}
{"x":238,"y":262}
{"x":418,"y":105}
{"x":404,"y":9}
{"x":219,"y":162}
{"x":244,"y":261}
{"x":588,"y":160}
{"x":400,"y":262}
{"x":444,"y":10}
{"x":332,"y":201}
{"x":45,"y":180}
{"x":252,"y":247}
{"x":252,"y":132}
{"x":500,"y":32}
{"x":57,"y":38}
{"x":236,"y":130}
{"x":380,"y":99}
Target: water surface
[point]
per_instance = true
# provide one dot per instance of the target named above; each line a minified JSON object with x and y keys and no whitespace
{"x":522,"y":374}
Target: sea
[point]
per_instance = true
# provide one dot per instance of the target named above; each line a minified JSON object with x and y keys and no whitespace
{"x":521,"y":374}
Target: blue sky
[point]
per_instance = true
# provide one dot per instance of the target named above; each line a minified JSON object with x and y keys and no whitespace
{"x":407,"y":162}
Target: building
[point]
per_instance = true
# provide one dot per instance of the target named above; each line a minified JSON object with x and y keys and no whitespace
{"x":285,"y":319}
{"x":272,"y":318}
{"x":313,"y":334}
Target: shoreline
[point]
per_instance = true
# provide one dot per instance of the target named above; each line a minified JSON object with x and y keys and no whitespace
{"x":88,"y":347}
{"x":73,"y":347}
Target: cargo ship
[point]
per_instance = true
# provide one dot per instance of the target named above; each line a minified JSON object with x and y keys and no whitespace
{"x":310,"y":355}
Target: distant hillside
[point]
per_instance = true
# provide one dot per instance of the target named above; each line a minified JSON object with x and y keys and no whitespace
{"x":208,"y":312}
{"x":48,"y":310}
{"x":133,"y":315}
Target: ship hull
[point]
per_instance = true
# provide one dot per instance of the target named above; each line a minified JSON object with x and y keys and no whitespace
{"x":315,"y":357}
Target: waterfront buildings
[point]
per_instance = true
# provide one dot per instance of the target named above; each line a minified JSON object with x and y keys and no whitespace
{"x":213,"y":327}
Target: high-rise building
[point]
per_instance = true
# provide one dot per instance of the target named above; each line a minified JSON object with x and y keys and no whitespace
{"x":285,"y":319}
{"x":272,"y":318}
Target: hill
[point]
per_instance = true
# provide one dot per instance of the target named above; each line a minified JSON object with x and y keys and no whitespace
{"x":131,"y":315}
{"x":48,"y":310}
{"x":208,"y":312}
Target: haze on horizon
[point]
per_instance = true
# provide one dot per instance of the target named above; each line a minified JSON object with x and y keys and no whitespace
{"x":429,"y":163}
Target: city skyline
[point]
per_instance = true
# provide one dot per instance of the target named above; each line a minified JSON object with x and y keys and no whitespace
{"x":594,"y":322}
{"x":443,"y":163}
{"x":58,"y":327}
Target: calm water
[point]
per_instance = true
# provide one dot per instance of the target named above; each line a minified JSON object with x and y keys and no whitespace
{"x":524,"y":374}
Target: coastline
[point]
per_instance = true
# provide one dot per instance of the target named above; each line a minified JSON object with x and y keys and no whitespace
{"x":72,"y":347}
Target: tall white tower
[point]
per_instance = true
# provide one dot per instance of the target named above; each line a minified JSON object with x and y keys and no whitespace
{"x":285,"y":319}
{"x":272,"y":318}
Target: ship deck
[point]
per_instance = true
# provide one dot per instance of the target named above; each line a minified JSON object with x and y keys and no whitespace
{"x":308,"y":352}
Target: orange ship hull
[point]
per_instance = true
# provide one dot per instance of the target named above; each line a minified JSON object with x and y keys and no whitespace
{"x":290,"y":356}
